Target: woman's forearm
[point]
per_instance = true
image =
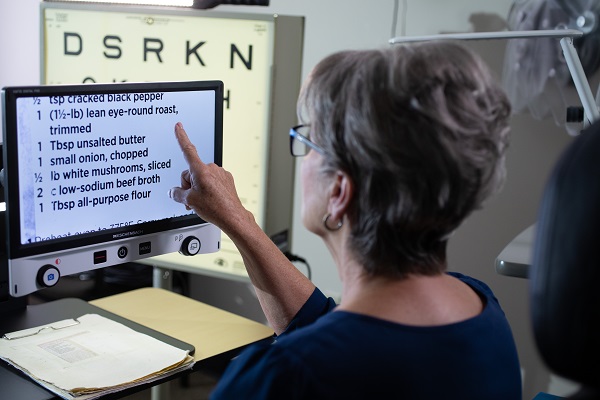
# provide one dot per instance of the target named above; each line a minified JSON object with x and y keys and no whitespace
{"x":281,"y":288}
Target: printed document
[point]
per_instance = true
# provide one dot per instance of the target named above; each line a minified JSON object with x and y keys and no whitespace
{"x":90,"y":356}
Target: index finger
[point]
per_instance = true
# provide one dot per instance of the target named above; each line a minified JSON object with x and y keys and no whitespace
{"x":187,"y":147}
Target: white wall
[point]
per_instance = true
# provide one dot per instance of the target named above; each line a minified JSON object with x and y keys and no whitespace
{"x":333,"y":25}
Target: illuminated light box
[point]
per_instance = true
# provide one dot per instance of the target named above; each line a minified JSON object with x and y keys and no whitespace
{"x":258,"y":57}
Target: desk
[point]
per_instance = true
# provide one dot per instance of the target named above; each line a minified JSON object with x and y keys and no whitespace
{"x":164,"y":263}
{"x":210,"y":330}
{"x":515,"y":259}
{"x":217,"y":335}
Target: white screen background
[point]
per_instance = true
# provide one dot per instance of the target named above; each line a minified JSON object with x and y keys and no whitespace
{"x":57,"y":200}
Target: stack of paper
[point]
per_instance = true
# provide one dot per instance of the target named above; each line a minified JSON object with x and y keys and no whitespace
{"x":91,"y":356}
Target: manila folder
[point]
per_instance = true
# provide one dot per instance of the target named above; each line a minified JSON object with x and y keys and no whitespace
{"x":90,"y":356}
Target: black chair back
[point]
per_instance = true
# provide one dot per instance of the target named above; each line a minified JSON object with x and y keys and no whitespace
{"x":565,"y":271}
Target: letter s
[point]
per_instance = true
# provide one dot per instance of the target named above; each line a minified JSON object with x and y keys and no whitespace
{"x":118,"y":51}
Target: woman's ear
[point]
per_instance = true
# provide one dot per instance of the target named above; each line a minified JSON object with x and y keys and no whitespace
{"x":341,"y":194}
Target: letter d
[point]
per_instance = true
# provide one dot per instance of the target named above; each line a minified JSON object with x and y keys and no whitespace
{"x":75,"y":39}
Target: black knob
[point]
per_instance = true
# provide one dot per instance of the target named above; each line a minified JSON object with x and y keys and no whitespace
{"x":48,"y":276}
{"x":190,"y":246}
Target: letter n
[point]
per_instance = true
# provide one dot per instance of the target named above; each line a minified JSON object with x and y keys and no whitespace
{"x":247,"y":62}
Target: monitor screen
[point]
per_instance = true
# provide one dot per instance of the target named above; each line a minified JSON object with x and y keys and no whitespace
{"x":87,"y":171}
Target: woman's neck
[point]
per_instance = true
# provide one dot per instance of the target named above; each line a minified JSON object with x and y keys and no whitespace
{"x":415,"y":300}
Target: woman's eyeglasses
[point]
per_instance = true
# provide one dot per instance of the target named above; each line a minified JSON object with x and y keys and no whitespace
{"x":300,"y":144}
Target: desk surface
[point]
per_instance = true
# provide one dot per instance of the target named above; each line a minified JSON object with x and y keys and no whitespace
{"x":515,"y":259}
{"x":210,"y":330}
{"x":193,"y":265}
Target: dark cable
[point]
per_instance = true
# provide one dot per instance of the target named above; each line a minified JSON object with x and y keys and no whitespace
{"x":295,"y":258}
{"x":206,"y":4}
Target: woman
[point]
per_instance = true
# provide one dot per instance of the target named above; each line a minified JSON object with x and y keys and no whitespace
{"x":400,"y":146}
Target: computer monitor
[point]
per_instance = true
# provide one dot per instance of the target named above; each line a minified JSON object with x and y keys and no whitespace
{"x":87,"y":171}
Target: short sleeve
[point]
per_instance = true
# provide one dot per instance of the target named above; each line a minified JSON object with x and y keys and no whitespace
{"x":266,"y":370}
{"x":315,"y":307}
{"x":263,"y":371}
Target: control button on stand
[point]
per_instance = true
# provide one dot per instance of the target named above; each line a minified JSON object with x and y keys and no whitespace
{"x":122,"y":252}
{"x":100,"y":257}
{"x":190,"y":246}
{"x":145,"y":248}
{"x":48,"y":276}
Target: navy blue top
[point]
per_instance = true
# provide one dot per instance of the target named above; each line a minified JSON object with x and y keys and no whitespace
{"x":343,"y":355}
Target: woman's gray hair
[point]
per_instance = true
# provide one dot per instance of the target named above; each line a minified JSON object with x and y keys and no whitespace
{"x":422,"y":131}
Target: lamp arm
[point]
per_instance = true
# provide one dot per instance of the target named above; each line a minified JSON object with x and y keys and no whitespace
{"x":566,"y":41}
{"x":556,"y":33}
{"x":581,"y":84}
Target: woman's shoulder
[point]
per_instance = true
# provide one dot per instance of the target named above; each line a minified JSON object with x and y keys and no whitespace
{"x":479,"y":286}
{"x":325,"y":354}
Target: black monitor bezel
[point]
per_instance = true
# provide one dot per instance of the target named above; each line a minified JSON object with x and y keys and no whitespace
{"x":10,"y":173}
